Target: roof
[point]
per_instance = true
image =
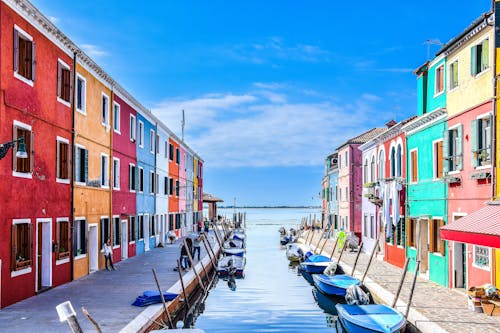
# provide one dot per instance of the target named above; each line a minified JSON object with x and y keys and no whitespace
{"x":207,"y":197}
{"x":365,"y":137}
{"x":481,"y":227}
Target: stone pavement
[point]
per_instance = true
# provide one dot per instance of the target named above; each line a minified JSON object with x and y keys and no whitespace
{"x":107,"y":295}
{"x":434,"y":308}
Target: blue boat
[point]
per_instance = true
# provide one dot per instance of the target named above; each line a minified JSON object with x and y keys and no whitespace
{"x":334,"y":285}
{"x":370,"y":318}
{"x":234,"y":252}
{"x":315,"y":264}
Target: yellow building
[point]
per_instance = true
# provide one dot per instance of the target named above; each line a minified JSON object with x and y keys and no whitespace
{"x":195,"y":187}
{"x":92,"y":156}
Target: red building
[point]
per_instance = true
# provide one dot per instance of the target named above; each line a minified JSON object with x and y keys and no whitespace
{"x":35,"y":103}
{"x":124,"y":171}
{"x":174,"y":217}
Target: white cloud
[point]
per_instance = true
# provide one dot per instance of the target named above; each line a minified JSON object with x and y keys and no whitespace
{"x":230,"y":130}
{"x":94,"y":50}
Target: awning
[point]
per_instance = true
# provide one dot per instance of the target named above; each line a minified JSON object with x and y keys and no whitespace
{"x":481,"y":227}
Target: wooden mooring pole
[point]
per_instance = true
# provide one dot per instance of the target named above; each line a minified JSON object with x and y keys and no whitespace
{"x":326,"y":239}
{"x":165,"y":308}
{"x":412,"y":289}
{"x":192,"y":266}
{"x":208,"y":250}
{"x":371,"y":258}
{"x":357,"y":257}
{"x":186,"y":301}
{"x":401,"y":283}
{"x":334,"y":248}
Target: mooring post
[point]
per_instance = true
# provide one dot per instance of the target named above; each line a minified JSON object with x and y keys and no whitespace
{"x":66,"y":313}
{"x":204,"y":271}
{"x":334,"y":247}
{"x":206,"y":241}
{"x":401,"y":283}
{"x":192,"y":266}
{"x":357,"y":257}
{"x":165,"y":308}
{"x":326,"y":233}
{"x":186,"y":301}
{"x":208,"y":250}
{"x":412,"y":289}
{"x":326,"y":239}
{"x":341,"y":252}
{"x":92,"y":320}
{"x":371,"y":258}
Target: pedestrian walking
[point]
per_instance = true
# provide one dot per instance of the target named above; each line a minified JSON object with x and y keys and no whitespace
{"x":108,"y":252}
{"x":200,"y":225}
{"x":197,"y":246}
{"x":185,"y":264}
{"x":207,"y":224}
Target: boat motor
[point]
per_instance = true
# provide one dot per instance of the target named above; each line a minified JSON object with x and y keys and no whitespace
{"x":356,"y":296}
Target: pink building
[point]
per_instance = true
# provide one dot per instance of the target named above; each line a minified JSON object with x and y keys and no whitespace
{"x":350,"y":181}
{"x":182,"y":185}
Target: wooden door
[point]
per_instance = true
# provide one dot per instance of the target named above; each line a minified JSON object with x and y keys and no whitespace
{"x":423,"y":245}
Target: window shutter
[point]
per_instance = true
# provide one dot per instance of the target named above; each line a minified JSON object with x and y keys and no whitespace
{"x":74,"y":237}
{"x":446,"y":152}
{"x":442,"y":247}
{"x":30,"y":252}
{"x":58,"y":238}
{"x":86,"y":165}
{"x":59,"y":79}
{"x":84,"y":231}
{"x":14,"y":159}
{"x":13,"y":233}
{"x":474,"y":142}
{"x":33,"y":61}
{"x":484,"y":54}
{"x":473,"y":60}
{"x":431,"y":232}
{"x":58,"y":159}
{"x":71,"y":79}
{"x":31,"y":148}
{"x":460,"y":151}
{"x":16,"y":50}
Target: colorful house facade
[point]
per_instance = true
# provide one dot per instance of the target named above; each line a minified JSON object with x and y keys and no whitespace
{"x":161,"y":204}
{"x":174,"y":218}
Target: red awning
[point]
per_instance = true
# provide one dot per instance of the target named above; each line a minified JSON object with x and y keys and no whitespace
{"x":481,"y":227}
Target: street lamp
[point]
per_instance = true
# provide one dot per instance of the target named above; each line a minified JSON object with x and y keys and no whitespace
{"x":21,"y":148}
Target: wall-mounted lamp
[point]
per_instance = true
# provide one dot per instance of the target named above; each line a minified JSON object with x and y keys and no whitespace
{"x":21,"y":148}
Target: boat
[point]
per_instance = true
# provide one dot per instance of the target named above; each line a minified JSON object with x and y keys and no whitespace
{"x":370,"y":318}
{"x":231,"y":265}
{"x":234,"y":251}
{"x":297,"y":251}
{"x":234,"y":243}
{"x":239,"y":235}
{"x":152,"y":297}
{"x":334,"y":284}
{"x":325,"y":302}
{"x":315,"y":264}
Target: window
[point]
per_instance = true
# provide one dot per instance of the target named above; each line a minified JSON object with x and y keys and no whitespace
{"x":157,"y":183}
{"x":436,"y":244}
{"x":116,"y":117}
{"x":171,"y":152}
{"x":340,"y":161}
{"x":152,"y":141}
{"x":414,"y":166}
{"x":482,"y":256}
{"x":365,"y":226}
{"x":157,"y":147}
{"x":177,"y":156}
{"x":479,"y":57}
{"x":141,"y":134}
{"x":141,"y":179}
{"x":62,"y":239}
{"x":346,"y":159}
{"x":453,"y":73}
{"x":171,"y":222}
{"x":152,"y":180}
{"x":171,"y":186}
{"x":372,"y":169}
{"x":105,"y":110}
{"x":452,"y":149}
{"x":372,"y":227}
{"x":177,"y":221}
{"x":21,"y":244}
{"x":437,"y":152}
{"x":165,"y":186}
{"x":81,"y":164}
{"x":24,"y":56}
{"x":152,"y":225}
{"x":23,"y":166}
{"x":340,"y":194}
{"x":412,"y":232}
{"x":140,"y":226}
{"x":381,"y":165}
{"x":481,"y":141}
{"x":166,"y":149}
{"x":63,"y":82}
{"x":116,"y":231}
{"x":62,"y":157}
{"x":116,"y":173}
{"x":346,"y":194}
{"x":80,"y":239}
{"x":104,"y":170}
{"x":105,"y":231}
{"x":400,"y":232}
{"x":133,"y":229}
{"x":393,"y":162}
{"x":177,"y":187}
{"x":399,"y":167}
{"x":81,"y":91}
{"x":132,"y":128}
{"x":439,"y":80}
{"x":132,"y":184}
{"x":365,"y":171}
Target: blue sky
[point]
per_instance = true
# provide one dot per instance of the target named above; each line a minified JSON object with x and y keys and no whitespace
{"x":269,"y":88}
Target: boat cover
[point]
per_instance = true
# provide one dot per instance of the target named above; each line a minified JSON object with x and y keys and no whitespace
{"x":341,"y":281}
{"x":375,"y":317}
{"x":152,"y":297}
{"x":317,"y":258}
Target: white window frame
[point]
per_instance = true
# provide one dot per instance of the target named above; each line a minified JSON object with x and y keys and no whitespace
{"x":58,"y":155}
{"x":27,"y":175}
{"x":141,"y":134}
{"x":76,"y":147}
{"x":130,"y":165}
{"x":450,"y":78}
{"x":152,"y":137}
{"x":474,"y":264}
{"x":450,"y":152}
{"x":65,"y":260}
{"x":106,"y":117}
{"x":438,"y":93}
{"x":59,"y":99}
{"x":116,"y":175}
{"x":480,"y":118}
{"x":434,"y":171}
{"x":133,"y":128}
{"x":83,"y":110}
{"x":26,"y":270}
{"x":116,"y":120}
{"x":152,"y":184}
{"x":139,"y":179}
{"x":105,"y":177}
{"x":410,"y":167}
{"x":27,"y":36}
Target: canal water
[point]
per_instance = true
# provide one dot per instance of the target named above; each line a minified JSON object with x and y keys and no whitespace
{"x":273,"y":296}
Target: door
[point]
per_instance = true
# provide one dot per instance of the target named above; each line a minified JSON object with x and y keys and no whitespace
{"x":124,"y":240}
{"x":423,"y":245}
{"x":459,"y":264}
{"x":44,"y":254}
{"x":93,"y":248}
{"x":497,"y":267}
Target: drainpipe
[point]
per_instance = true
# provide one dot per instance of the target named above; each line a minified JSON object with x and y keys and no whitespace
{"x":72,"y":172}
{"x":494,"y":98}
{"x":111,"y":168}
{"x":157,"y":143}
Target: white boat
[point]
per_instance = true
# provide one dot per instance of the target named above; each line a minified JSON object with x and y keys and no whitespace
{"x":297,"y":251}
{"x":234,"y":243}
{"x":234,"y":251}
{"x":231,"y":265}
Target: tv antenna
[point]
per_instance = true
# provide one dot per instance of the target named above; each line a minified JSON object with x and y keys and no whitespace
{"x":183,"y":124}
{"x":429,"y":42}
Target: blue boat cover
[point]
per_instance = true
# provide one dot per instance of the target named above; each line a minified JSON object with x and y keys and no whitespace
{"x":341,"y":281}
{"x":317,"y":258}
{"x":375,"y":317}
{"x":152,"y":297}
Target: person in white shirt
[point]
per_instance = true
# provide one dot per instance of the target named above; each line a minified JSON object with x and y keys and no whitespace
{"x":108,"y":252}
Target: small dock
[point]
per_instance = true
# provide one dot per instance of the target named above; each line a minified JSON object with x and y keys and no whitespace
{"x":434,"y":308}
